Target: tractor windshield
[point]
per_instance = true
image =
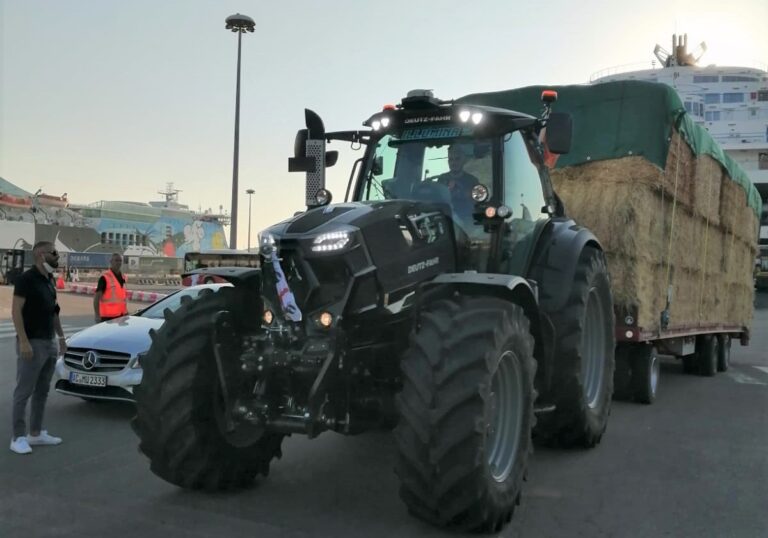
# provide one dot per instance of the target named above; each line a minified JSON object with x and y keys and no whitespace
{"x":442,"y":171}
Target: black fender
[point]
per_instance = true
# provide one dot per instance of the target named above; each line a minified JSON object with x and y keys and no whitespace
{"x":555,"y":260}
{"x":513,"y":288}
{"x":553,"y":268}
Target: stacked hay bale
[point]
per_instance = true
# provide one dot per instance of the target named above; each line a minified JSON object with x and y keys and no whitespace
{"x":685,"y":231}
{"x":676,"y":217}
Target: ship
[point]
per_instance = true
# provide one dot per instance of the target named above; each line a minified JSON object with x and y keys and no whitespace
{"x":91,"y":232}
{"x":731,"y":102}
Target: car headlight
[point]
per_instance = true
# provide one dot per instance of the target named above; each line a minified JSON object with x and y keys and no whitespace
{"x":137,"y":362}
{"x":332,"y":241}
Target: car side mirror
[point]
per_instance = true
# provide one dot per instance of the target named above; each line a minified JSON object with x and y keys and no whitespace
{"x":559,"y":132}
{"x":331,"y":157}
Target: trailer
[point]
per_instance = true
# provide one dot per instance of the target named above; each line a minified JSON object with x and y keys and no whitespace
{"x":678,"y":219}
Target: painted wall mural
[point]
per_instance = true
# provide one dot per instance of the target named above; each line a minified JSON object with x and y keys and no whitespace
{"x":168,"y":237}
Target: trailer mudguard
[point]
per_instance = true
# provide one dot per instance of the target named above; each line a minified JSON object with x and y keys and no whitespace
{"x":555,"y":260}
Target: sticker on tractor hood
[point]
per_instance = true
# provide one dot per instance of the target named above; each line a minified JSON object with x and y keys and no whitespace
{"x":420,"y":266}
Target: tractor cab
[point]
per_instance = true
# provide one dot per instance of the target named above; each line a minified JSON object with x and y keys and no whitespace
{"x":484,"y":166}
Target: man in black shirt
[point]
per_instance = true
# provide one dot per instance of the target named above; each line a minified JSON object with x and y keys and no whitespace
{"x":458,"y":181}
{"x":35,"y":315}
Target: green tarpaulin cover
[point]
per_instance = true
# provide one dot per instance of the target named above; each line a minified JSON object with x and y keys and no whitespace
{"x":619,"y":119}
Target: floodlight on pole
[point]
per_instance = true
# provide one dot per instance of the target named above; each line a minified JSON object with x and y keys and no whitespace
{"x":240,"y":24}
{"x":249,"y":192}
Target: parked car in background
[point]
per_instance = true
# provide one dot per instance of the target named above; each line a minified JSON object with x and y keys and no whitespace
{"x":216,"y":258}
{"x":102,"y":362}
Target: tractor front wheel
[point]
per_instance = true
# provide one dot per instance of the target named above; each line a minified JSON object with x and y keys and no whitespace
{"x":466,"y":413}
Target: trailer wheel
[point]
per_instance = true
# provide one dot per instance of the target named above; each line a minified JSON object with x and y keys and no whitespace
{"x":622,"y":375}
{"x":706,"y":353}
{"x":584,"y":364}
{"x":466,"y":413}
{"x":724,"y":352}
{"x":177,"y":405}
{"x":645,"y":374}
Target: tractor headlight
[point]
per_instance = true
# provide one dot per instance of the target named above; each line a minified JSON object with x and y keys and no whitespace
{"x":323,"y":197}
{"x":332,"y":241}
{"x":266,"y":243}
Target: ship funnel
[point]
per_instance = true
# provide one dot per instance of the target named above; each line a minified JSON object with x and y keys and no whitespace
{"x":679,"y":55}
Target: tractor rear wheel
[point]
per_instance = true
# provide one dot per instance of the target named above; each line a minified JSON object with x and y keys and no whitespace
{"x":584,"y":359}
{"x":466,"y":413}
{"x":178,"y":404}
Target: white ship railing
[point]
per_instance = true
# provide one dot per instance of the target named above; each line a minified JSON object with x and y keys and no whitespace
{"x":624,"y":68}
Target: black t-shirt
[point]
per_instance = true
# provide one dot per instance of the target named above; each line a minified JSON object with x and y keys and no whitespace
{"x":101,"y":285}
{"x":40,"y":304}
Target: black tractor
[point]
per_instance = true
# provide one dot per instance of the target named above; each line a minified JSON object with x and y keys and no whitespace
{"x":449,"y":298}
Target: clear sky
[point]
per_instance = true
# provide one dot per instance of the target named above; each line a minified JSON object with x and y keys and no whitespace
{"x":112,"y":99}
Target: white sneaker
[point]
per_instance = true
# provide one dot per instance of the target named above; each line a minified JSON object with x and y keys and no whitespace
{"x":44,"y":439}
{"x":20,"y":446}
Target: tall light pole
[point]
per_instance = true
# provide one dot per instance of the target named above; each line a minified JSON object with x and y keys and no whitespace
{"x":249,"y":192}
{"x":240,"y":24}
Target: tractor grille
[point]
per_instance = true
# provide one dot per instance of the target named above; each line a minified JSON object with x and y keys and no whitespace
{"x":105,"y":361}
{"x":316,"y":282}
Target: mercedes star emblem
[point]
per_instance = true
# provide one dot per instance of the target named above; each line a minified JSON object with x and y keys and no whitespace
{"x":90,"y":360}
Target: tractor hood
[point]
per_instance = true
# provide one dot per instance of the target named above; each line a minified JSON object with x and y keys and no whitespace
{"x":359,"y":215}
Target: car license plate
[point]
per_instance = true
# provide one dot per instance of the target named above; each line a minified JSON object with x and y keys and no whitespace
{"x":88,"y":379}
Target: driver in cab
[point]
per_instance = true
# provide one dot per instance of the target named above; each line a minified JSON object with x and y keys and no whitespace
{"x":458,"y":181}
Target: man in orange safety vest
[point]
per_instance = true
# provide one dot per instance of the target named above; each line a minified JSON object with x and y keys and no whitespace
{"x":110,"y":299}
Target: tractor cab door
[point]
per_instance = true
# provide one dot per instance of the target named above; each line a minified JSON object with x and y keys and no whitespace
{"x":524,"y":195}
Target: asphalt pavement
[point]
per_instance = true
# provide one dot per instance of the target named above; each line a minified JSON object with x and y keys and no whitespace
{"x":693,"y":464}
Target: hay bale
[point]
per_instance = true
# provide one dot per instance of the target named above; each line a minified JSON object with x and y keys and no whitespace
{"x":678,"y":177}
{"x":700,"y":242}
{"x":733,"y":200}
{"x":706,"y":188}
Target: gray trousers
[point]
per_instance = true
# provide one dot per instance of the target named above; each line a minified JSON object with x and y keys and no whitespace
{"x":33,"y":378}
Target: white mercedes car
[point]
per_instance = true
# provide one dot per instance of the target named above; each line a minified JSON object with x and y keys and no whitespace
{"x":103,"y":362}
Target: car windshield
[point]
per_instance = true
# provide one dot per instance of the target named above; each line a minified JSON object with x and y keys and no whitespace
{"x":172,"y":302}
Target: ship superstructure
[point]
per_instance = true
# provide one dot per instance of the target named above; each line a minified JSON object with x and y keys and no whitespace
{"x":730,"y":102}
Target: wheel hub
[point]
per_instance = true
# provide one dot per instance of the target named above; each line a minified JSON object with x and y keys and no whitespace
{"x":505,"y":417}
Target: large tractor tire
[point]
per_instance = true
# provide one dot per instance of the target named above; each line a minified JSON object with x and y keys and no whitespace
{"x":584,"y":359}
{"x":179,"y":407}
{"x":466,"y":413}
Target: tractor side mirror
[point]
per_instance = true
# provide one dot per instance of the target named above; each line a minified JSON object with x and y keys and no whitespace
{"x":300,"y":162}
{"x":309,"y":156}
{"x":559,"y":132}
